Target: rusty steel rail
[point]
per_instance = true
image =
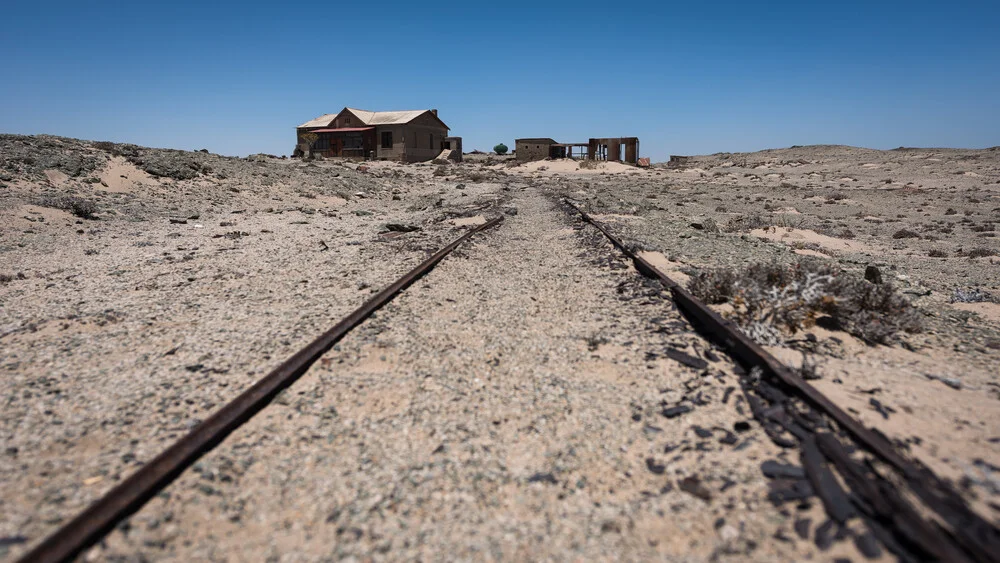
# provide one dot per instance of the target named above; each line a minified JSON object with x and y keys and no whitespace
{"x":130,"y":495}
{"x":971,"y":538}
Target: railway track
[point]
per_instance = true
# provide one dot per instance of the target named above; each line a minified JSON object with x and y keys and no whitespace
{"x":131,"y":494}
{"x":879,"y":484}
{"x":855,"y":472}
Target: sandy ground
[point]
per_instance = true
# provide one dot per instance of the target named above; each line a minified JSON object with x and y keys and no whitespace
{"x":508,"y":406}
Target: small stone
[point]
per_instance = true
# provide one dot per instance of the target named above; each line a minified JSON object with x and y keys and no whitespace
{"x":728,"y":533}
{"x":543,"y":478}
{"x":674,"y":412}
{"x":775,"y":470}
{"x":401,"y":228}
{"x":655,"y":468}
{"x":728,"y":439}
{"x":873,"y":274}
{"x":693,"y":486}
{"x":702,"y":432}
{"x":868,"y":545}
{"x":802,"y":526}
{"x":824,"y":535}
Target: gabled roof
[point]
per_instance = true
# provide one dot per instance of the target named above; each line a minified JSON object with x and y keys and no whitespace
{"x":373,"y":117}
{"x":387,"y":117}
{"x":322,"y":121}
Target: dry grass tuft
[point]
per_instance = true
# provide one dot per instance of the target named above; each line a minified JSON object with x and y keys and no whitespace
{"x":82,"y":208}
{"x":768,"y":298}
{"x":7,"y":278}
{"x":981,"y":252}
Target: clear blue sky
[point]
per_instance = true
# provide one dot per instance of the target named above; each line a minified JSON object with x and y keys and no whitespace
{"x":686,"y":78}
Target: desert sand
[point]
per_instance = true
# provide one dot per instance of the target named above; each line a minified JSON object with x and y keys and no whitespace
{"x":507,"y":406}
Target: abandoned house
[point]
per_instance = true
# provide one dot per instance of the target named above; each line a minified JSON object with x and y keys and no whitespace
{"x":407,"y":136}
{"x":621,"y":149}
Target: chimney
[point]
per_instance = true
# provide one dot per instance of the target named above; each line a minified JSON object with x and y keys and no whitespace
{"x":435,"y":112}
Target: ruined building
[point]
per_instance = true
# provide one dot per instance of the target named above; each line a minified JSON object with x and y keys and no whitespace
{"x":407,"y":136}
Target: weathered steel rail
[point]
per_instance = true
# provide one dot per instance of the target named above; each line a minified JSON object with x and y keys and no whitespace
{"x":131,"y":494}
{"x":783,"y":402}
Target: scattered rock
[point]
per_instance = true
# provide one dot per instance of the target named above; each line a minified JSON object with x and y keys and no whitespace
{"x":543,"y":478}
{"x":868,"y":545}
{"x":686,"y":359}
{"x":824,"y":535}
{"x":775,"y":470}
{"x":873,"y":274}
{"x":952,"y":382}
{"x":693,"y":486}
{"x":401,"y":228}
{"x":655,"y":468}
{"x":802,"y":526}
{"x":674,"y":412}
{"x":702,"y":432}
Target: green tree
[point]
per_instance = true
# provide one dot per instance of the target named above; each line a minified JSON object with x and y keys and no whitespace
{"x":500,"y":149}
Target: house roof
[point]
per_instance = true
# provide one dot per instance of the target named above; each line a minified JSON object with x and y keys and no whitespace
{"x":373,"y":117}
{"x":539,"y":140}
{"x":321,"y":121}
{"x":342,"y":130}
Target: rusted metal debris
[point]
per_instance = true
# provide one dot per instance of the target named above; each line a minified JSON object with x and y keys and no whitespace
{"x":795,"y":414}
{"x":131,"y":494}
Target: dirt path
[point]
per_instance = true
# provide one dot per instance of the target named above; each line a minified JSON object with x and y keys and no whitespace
{"x":507,"y":407}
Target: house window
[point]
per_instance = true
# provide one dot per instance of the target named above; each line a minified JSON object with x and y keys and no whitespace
{"x":387,"y":139}
{"x":347,"y":121}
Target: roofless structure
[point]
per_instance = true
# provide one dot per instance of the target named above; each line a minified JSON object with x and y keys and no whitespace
{"x":621,"y":149}
{"x":408,"y":136}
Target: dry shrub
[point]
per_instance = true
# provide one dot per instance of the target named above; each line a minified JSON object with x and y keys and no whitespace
{"x":936,"y":253}
{"x":82,"y":208}
{"x":768,"y":298}
{"x":745,"y":223}
{"x":587,"y":164}
{"x":973,"y":295}
{"x":981,"y":252}
{"x":7,"y":278}
{"x":709,"y":225}
{"x":905,"y":233}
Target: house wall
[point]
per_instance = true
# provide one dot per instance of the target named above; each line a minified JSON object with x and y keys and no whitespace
{"x":424,"y":136}
{"x":347,"y":119}
{"x":417,"y":141}
{"x":532,"y":150}
{"x":398,"y":149}
{"x":455,"y":145}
